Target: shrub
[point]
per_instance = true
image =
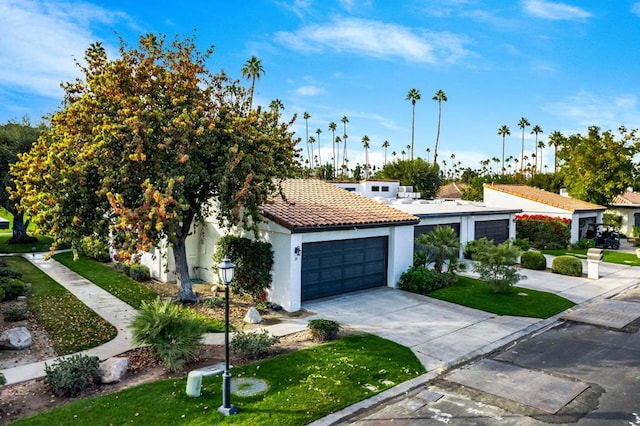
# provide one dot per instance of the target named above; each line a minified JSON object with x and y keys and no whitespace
{"x":420,"y":258}
{"x":3,"y":380}
{"x":583,"y":243}
{"x":253,"y":260}
{"x":95,"y":248}
{"x":72,"y":375}
{"x":323,"y":330}
{"x":473,"y":247}
{"x":567,"y":265}
{"x":12,"y":288}
{"x":636,"y":231}
{"x":5,"y":272}
{"x":139,"y":273}
{"x":252,"y":345}
{"x":441,"y":244}
{"x":533,"y":260}
{"x":16,"y":313}
{"x":612,"y":219}
{"x":544,"y":232}
{"x":522,"y":244}
{"x":213,"y":302}
{"x":173,"y":334}
{"x":494,"y":264}
{"x":422,"y":280}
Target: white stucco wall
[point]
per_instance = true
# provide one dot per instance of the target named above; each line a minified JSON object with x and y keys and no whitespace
{"x":628,"y":218}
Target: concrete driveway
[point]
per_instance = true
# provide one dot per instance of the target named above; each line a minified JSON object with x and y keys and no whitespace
{"x":440,"y":334}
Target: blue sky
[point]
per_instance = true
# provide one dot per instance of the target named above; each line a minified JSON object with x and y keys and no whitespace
{"x":562,"y":65}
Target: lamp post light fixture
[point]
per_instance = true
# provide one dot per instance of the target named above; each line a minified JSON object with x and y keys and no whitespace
{"x":226,"y":269}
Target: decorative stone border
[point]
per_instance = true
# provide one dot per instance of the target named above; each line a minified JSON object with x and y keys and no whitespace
{"x":248,"y":386}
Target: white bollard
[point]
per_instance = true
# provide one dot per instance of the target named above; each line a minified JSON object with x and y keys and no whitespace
{"x":194,"y":383}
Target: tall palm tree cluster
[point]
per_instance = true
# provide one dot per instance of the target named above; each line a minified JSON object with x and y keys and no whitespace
{"x":413,"y":96}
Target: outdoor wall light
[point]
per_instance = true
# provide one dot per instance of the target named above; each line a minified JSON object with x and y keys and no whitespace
{"x":297,"y":251}
{"x":226,"y":269}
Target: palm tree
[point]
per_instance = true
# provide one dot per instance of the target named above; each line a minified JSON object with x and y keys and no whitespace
{"x":312,"y":140}
{"x":541,"y":146}
{"x":428,"y":152}
{"x":536,"y":130}
{"x":403,"y":152}
{"x":338,"y":140}
{"x":276,"y":105}
{"x":439,"y":97}
{"x":443,"y":243}
{"x":318,"y":131}
{"x":365,"y":144}
{"x":344,"y":120}
{"x":503,"y":131}
{"x":523,"y":123}
{"x":555,"y":139}
{"x":306,"y":117}
{"x":385,"y":145}
{"x":394,"y":154}
{"x":413,"y":95}
{"x":252,"y":70}
{"x":333,"y":127}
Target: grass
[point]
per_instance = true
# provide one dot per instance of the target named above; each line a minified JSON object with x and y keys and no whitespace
{"x":71,"y":325}
{"x":303,"y":386}
{"x":479,"y":295}
{"x":609,"y":256}
{"x":121,"y":286}
{"x":43,"y":244}
{"x":124,"y":288}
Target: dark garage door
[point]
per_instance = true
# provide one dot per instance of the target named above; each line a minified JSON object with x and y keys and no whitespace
{"x":336,"y":267}
{"x":425,"y":229}
{"x":496,"y":230}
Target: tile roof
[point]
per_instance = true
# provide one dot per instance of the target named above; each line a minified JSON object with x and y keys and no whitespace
{"x":451,"y":190}
{"x":628,"y":198}
{"x":314,"y":205}
{"x":545,"y":197}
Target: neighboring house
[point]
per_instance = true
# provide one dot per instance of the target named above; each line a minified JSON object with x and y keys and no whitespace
{"x":451,"y":190}
{"x":628,"y":206}
{"x":326,"y":241}
{"x":4,"y":223}
{"x":537,"y":201}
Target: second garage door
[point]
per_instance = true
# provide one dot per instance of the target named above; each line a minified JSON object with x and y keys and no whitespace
{"x":336,"y":267}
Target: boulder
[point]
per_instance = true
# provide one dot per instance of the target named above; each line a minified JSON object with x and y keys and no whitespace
{"x":253,"y":316}
{"x":17,"y":338}
{"x":112,"y":369}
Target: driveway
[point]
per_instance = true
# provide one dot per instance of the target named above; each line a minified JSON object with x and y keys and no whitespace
{"x":439,"y":333}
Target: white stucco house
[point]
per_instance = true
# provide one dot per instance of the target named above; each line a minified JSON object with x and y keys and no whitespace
{"x":537,"y":201}
{"x":626,"y":205}
{"x":326,"y":241}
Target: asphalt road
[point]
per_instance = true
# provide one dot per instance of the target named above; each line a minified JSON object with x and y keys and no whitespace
{"x":548,"y":367}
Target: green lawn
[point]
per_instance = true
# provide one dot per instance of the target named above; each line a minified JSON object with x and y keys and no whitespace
{"x":303,"y":386}
{"x":479,"y":295}
{"x":71,"y":325}
{"x":43,"y":244}
{"x":609,"y":256}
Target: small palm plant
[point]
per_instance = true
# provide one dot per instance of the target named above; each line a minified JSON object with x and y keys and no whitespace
{"x":443,"y":244}
{"x":172,"y":334}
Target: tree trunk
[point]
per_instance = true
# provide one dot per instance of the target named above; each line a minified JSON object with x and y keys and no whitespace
{"x":185,"y":290}
{"x":20,"y":230}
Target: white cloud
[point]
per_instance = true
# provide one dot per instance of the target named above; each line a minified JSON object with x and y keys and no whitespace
{"x":589,"y":109}
{"x":40,"y":41}
{"x":635,"y":8}
{"x":554,"y":11}
{"x":309,"y":90}
{"x":376,"y":39}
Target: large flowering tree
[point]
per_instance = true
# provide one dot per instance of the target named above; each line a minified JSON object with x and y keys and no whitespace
{"x":144,"y":144}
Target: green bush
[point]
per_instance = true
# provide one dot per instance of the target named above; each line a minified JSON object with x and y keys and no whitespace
{"x":173,"y":334}
{"x":12,"y":288}
{"x":567,"y":265}
{"x":72,"y":375}
{"x":16,"y":313}
{"x":422,"y":280}
{"x":583,"y":243}
{"x":323,"y":330}
{"x":3,"y":380}
{"x":95,"y":249}
{"x":495,"y":266}
{"x":139,"y":273}
{"x":636,"y":231}
{"x":213,"y":302}
{"x":6,"y":272}
{"x":252,"y":345}
{"x":612,"y":219}
{"x":420,"y":258}
{"x":522,"y":244}
{"x":473,"y":247}
{"x":253,"y":260}
{"x":533,"y":260}
{"x":2,"y":294}
{"x":544,"y":232}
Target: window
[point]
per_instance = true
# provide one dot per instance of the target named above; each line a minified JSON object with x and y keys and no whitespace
{"x":385,"y":189}
{"x":375,"y":189}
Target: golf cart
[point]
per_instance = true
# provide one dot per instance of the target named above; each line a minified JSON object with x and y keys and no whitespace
{"x":603,"y":237}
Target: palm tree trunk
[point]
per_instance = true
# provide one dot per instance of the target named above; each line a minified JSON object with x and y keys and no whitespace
{"x":435,"y":150}
{"x":413,"y":119}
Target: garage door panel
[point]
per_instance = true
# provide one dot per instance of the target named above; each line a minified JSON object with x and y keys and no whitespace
{"x":335,"y":267}
{"x":496,"y":230}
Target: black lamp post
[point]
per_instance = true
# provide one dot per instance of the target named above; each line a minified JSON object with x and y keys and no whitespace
{"x":225,"y":271}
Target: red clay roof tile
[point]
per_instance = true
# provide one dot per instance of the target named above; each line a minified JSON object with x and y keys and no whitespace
{"x":545,"y":197}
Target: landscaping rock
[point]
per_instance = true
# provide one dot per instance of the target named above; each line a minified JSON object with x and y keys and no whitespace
{"x":113,"y":369}
{"x":17,"y":338}
{"x":253,"y":316}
